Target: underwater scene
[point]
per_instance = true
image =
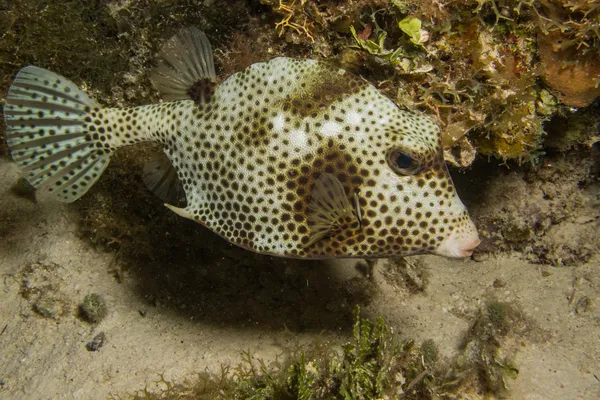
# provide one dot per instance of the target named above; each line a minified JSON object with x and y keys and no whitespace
{"x":300,"y":199}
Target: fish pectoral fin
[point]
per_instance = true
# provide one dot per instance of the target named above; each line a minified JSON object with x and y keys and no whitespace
{"x":182,"y":212}
{"x":161,"y":178}
{"x":329,"y":210}
{"x":186,"y":68}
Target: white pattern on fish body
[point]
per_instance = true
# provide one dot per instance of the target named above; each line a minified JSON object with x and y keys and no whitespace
{"x":353,"y":118}
{"x":278,"y":123}
{"x":330,"y":128}
{"x":287,"y":157}
{"x":298,"y":139}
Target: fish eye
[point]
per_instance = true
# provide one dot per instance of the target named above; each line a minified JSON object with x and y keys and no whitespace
{"x":402,"y":163}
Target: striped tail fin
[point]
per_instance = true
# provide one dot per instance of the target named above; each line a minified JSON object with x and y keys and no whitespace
{"x":46,"y":117}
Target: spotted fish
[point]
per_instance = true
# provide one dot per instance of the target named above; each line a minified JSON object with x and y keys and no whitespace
{"x":289,"y":157}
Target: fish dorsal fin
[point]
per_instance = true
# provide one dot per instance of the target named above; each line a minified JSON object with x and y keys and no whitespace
{"x":161,"y":178}
{"x":185,"y":68}
{"x":329,"y":209}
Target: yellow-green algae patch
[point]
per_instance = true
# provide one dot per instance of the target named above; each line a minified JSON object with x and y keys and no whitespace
{"x":375,"y":364}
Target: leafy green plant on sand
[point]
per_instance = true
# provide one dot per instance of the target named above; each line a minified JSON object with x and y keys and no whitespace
{"x":375,"y":364}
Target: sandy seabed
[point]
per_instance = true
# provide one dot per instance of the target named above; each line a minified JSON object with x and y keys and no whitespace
{"x":149,"y":336}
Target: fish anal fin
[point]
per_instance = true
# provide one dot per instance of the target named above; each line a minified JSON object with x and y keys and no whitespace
{"x":182,"y":212}
{"x":329,"y":210}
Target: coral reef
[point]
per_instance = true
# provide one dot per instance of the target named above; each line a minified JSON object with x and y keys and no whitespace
{"x":550,"y":212}
{"x":470,"y":65}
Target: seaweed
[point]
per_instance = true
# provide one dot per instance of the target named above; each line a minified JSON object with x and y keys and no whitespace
{"x":375,"y":364}
{"x":93,"y":308}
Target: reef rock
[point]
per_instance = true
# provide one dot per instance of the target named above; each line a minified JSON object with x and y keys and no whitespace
{"x":574,"y":78}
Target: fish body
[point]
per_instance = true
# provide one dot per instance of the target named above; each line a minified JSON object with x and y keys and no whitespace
{"x":289,"y":157}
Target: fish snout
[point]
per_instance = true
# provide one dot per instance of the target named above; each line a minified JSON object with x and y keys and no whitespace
{"x":460,"y":243}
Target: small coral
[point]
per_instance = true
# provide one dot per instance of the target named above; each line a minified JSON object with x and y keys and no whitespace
{"x":93,"y":308}
{"x":573,"y":77}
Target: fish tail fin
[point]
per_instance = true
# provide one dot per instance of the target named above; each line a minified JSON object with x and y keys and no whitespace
{"x":47,"y":117}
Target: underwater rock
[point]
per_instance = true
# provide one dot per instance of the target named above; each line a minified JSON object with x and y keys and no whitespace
{"x":96,"y":343}
{"x":574,"y":78}
{"x":41,"y":287}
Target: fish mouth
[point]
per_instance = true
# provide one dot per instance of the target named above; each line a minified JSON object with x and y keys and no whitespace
{"x":459,"y":245}
{"x":467,"y":251}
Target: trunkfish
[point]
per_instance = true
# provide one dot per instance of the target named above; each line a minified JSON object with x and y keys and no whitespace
{"x":289,"y":157}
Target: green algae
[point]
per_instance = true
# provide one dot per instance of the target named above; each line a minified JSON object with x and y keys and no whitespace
{"x":374,"y":364}
{"x":93,"y":308}
{"x":412,"y":27}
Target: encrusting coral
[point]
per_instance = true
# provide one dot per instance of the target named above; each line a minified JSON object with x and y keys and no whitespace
{"x":474,"y":68}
